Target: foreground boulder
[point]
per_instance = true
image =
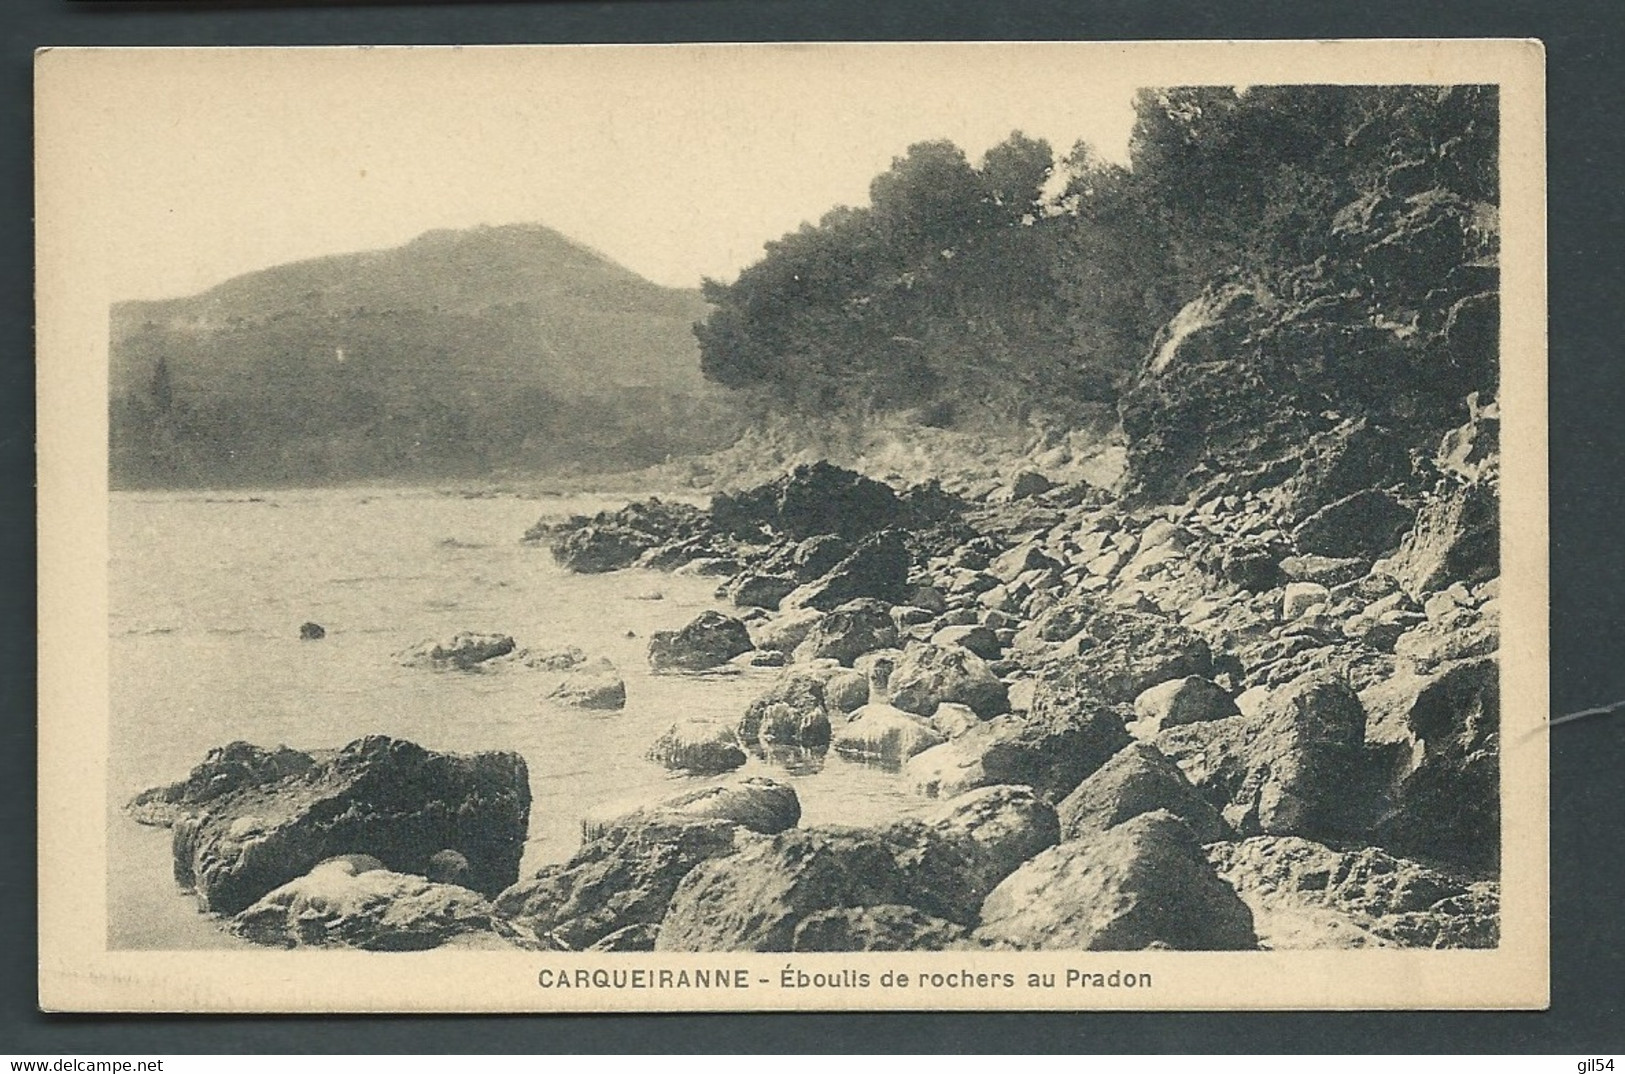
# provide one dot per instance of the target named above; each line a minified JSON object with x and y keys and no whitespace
{"x":1304,"y":894}
{"x":353,"y":901}
{"x":756,"y":899}
{"x":224,"y":769}
{"x":1293,"y":768}
{"x":625,"y":877}
{"x":710,"y":640}
{"x":1138,"y":779}
{"x":1143,"y":883}
{"x":1066,"y":735}
{"x":755,"y":803}
{"x":461,"y":652}
{"x":1439,"y":740}
{"x":388,"y":798}
{"x":954,"y":854}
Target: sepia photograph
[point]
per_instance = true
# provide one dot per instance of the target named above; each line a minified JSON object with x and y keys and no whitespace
{"x":813,"y":527}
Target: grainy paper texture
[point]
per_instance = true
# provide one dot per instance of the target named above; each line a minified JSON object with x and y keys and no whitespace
{"x":126,"y":136}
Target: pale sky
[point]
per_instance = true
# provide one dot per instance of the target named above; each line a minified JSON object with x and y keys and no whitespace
{"x":676,"y":162}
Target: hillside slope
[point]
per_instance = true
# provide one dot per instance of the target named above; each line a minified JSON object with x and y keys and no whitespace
{"x":457,"y":352}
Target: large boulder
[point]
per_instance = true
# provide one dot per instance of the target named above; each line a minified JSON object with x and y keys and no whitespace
{"x":751,"y":589}
{"x":883,"y":733}
{"x":593,"y":684}
{"x":710,"y":640}
{"x":224,"y":769}
{"x":385,"y":797}
{"x":699,"y":745}
{"x":1120,"y":653}
{"x":623,"y":878}
{"x":1065,"y":736}
{"x":815,"y":498}
{"x":955,"y":853}
{"x":461,"y":651}
{"x":1141,"y":884}
{"x":1366,"y":523}
{"x":887,"y":927}
{"x":353,"y":901}
{"x":847,"y":632}
{"x":791,"y":712}
{"x":1138,"y":779}
{"x":930,"y":675}
{"x":877,"y":569}
{"x":1191,"y":699}
{"x":1457,"y":538}
{"x":1294,"y":767}
{"x":1439,"y":737}
{"x":756,"y":899}
{"x":1305,"y":894}
{"x":756,"y":803}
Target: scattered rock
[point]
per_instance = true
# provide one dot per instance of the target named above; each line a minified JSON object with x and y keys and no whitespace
{"x":312,"y":632}
{"x":978,"y":639}
{"x":1138,"y":779}
{"x":887,"y":927}
{"x":761,"y":805}
{"x":1144,"y":882}
{"x":751,"y":590}
{"x":1192,"y":699}
{"x":1366,"y":523}
{"x":929,"y":675}
{"x":710,"y":640}
{"x":1301,"y":597}
{"x":785,"y":631}
{"x":1294,"y":768}
{"x":848,"y":632}
{"x":877,"y":569}
{"x":1304,"y":894}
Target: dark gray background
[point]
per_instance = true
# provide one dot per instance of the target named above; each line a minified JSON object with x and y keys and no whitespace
{"x":1585,"y":43}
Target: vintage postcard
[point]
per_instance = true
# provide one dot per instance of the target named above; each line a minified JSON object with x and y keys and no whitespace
{"x":889,"y":526}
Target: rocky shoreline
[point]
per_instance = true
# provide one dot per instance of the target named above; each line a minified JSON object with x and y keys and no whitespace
{"x":1264,"y":717}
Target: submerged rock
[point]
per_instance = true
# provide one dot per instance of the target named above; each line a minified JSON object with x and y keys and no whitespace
{"x":594,"y":684}
{"x":312,"y":632}
{"x":791,"y":712}
{"x":384,"y":797}
{"x":1140,"y":884}
{"x":461,"y":652}
{"x":353,"y":901}
{"x":700,"y":745}
{"x":225,"y":769}
{"x":710,"y":640}
{"x":884,"y":733}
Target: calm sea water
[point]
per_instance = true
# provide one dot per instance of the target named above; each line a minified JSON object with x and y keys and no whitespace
{"x":208,"y":591}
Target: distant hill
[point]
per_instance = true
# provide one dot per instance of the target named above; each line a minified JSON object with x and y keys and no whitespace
{"x":459,"y":352}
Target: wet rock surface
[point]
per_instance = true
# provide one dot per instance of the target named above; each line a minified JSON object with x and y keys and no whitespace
{"x":383,"y":797}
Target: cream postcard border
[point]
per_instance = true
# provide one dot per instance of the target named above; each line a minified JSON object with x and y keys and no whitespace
{"x":78,"y":972}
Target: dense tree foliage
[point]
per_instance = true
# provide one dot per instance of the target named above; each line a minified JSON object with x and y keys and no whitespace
{"x":1029,"y":281}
